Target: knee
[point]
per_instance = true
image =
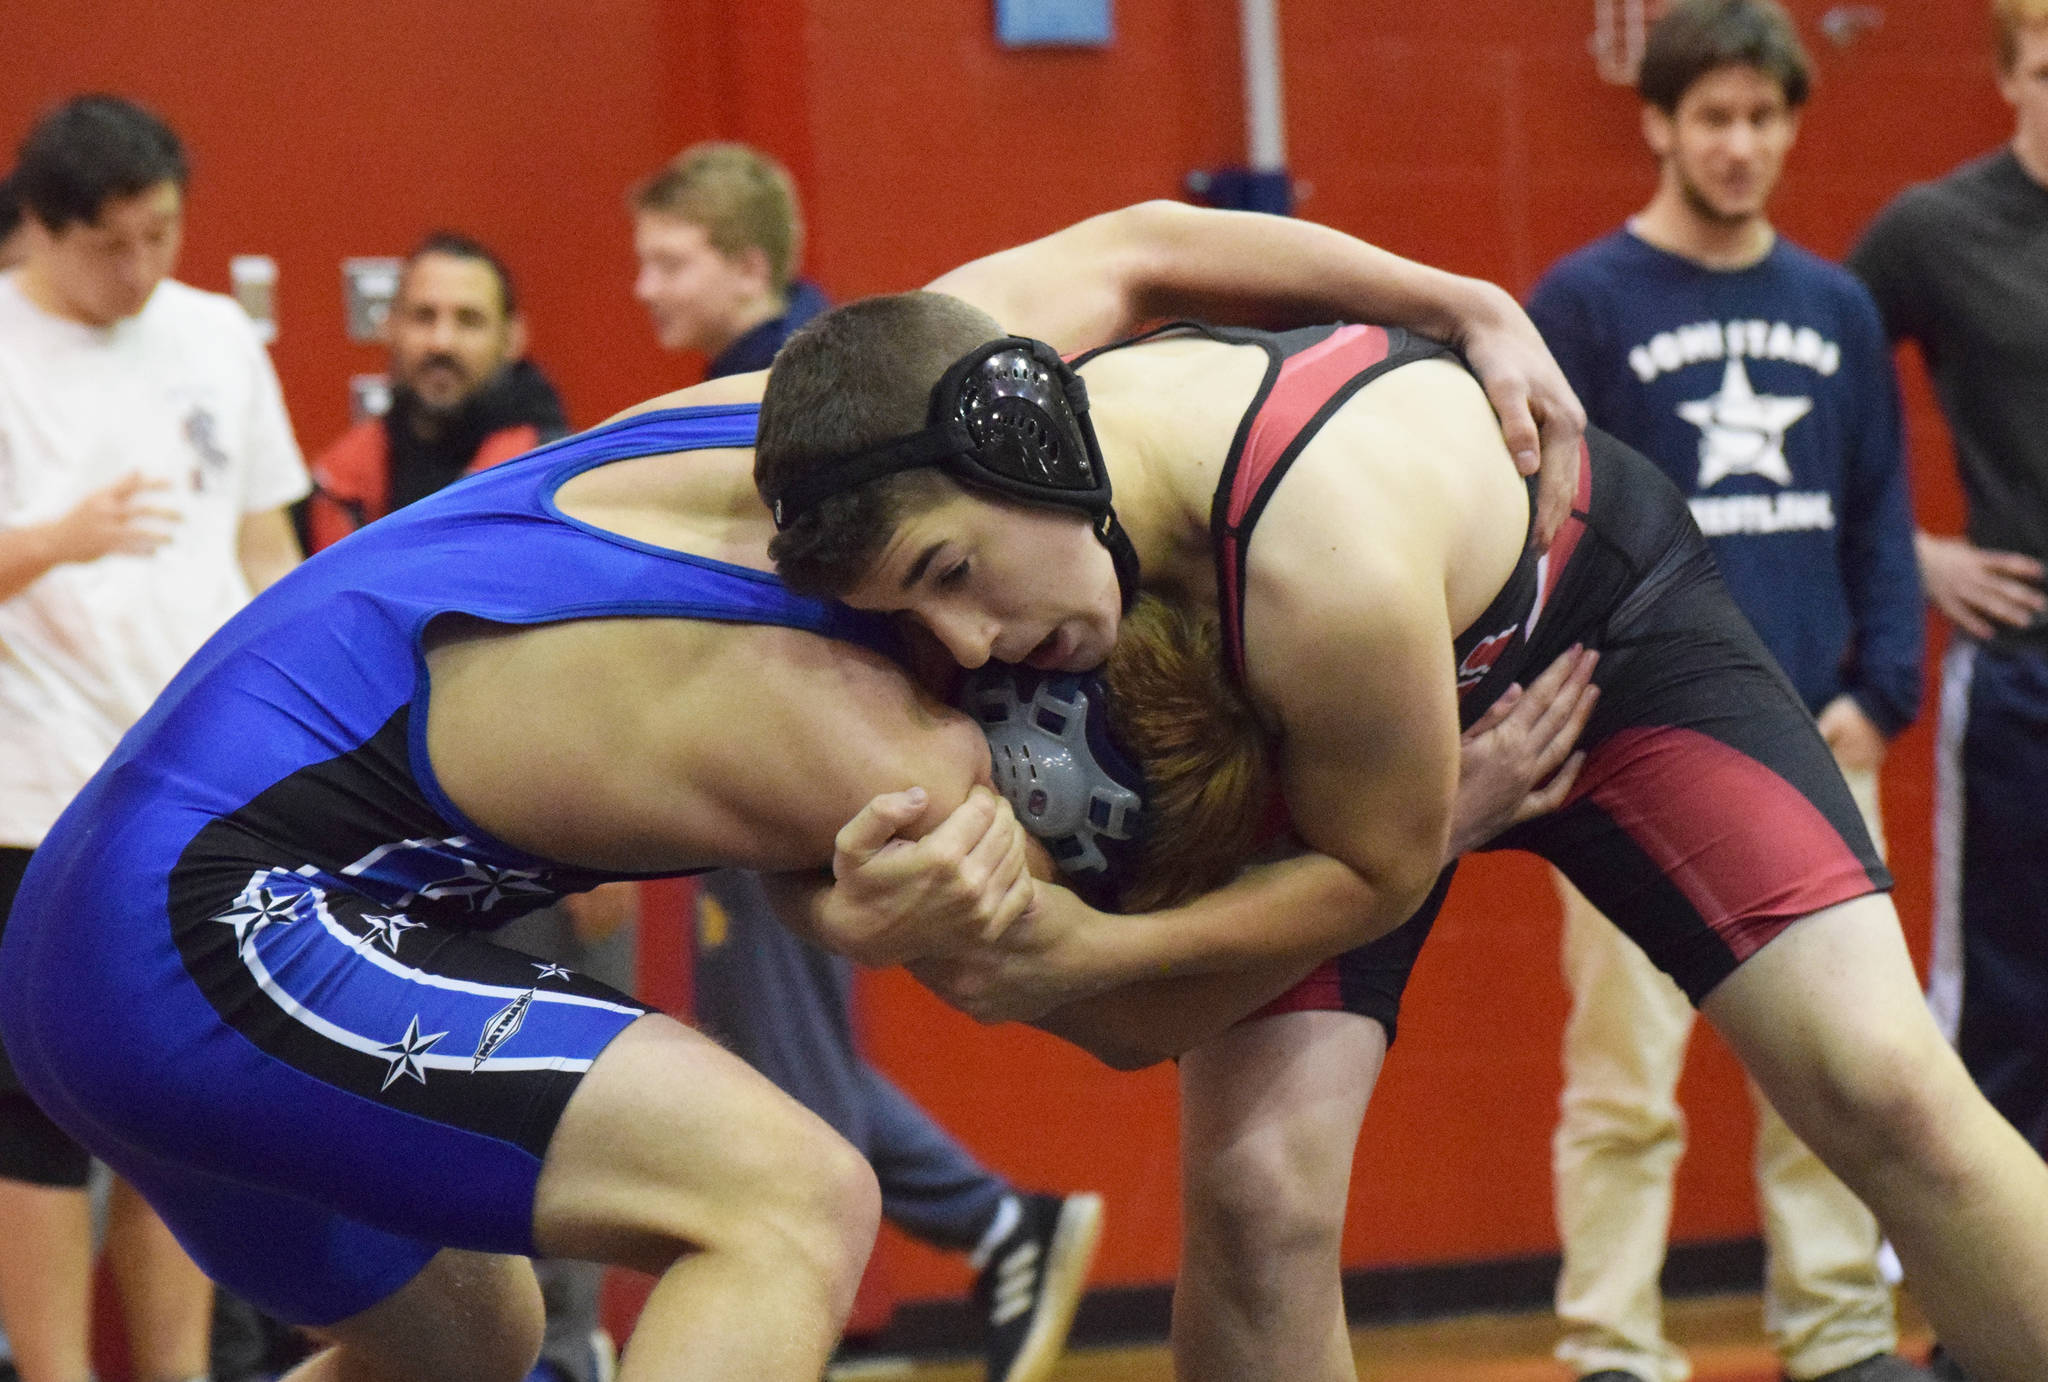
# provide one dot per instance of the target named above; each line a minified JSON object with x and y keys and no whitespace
{"x":504,"y":1354}
{"x":835,"y":1228}
{"x":814,"y":1219}
{"x":512,"y":1322}
{"x":1272,"y":1197}
{"x":1896,"y":1109}
{"x":467,"y":1317}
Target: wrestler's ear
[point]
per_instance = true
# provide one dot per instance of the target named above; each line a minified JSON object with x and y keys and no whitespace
{"x":1659,"y":130}
{"x":751,"y":265}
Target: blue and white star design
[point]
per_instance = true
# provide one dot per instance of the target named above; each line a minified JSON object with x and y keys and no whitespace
{"x":484,"y":886}
{"x":386,"y":930}
{"x":1742,"y":432}
{"x":404,"y":1054}
{"x":258,"y":908}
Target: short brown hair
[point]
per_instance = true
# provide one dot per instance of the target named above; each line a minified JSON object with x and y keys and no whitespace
{"x":741,"y":197}
{"x":2008,"y":18}
{"x":1206,"y":760}
{"x":1696,"y":36}
{"x":856,"y":377}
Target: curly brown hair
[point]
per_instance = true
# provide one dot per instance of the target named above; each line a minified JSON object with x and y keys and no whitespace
{"x":1207,"y":763}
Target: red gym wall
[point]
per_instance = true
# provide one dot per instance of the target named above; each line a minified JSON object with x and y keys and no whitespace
{"x":1475,"y":135}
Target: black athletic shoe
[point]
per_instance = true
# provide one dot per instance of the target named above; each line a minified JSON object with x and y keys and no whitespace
{"x":1879,"y":1367}
{"x":1033,"y":1281}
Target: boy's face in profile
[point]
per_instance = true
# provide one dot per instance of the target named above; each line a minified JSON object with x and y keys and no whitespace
{"x":104,"y":271}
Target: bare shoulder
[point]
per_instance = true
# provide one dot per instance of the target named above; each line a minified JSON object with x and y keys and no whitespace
{"x":656,"y":744}
{"x":1408,"y":486}
{"x":735,"y":388}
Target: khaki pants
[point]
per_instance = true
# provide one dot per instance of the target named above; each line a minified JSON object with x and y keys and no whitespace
{"x":1617,"y":1144}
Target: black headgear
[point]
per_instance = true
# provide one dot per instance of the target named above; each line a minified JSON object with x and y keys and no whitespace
{"x":1011,"y":416}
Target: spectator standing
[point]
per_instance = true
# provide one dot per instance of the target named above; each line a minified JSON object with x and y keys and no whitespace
{"x":718,"y":237}
{"x":145,"y":465}
{"x":1755,"y":374}
{"x":1960,"y":267}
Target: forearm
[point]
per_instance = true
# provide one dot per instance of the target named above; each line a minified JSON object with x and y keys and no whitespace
{"x":1099,"y":280}
{"x":1143,"y":1024}
{"x":25,"y":554}
{"x":1297,"y":911}
{"x":1249,"y":266}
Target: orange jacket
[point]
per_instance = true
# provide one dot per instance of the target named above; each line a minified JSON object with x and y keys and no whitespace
{"x":352,"y":478}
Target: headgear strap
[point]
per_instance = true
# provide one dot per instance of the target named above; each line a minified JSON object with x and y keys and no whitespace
{"x":1010,"y":416}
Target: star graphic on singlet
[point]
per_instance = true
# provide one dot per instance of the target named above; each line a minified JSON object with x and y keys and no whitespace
{"x":1742,"y":432}
{"x":484,"y":886}
{"x":404,"y":1054}
{"x":386,"y":930}
{"x":267,"y":907}
{"x":553,"y":972}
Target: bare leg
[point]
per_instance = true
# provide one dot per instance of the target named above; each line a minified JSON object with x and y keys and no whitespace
{"x":1830,"y":1022}
{"x":676,"y":1158}
{"x":467,"y":1317}
{"x":1269,"y":1119}
{"x":46,"y":1280}
{"x":166,"y":1301}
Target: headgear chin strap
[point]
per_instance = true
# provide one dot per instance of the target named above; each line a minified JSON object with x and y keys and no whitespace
{"x":1011,"y":416}
{"x":1057,"y":761}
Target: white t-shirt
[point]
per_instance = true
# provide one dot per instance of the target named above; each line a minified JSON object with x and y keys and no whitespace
{"x":181,"y":392}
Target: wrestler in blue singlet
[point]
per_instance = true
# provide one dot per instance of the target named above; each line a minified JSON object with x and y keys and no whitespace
{"x":246,"y":968}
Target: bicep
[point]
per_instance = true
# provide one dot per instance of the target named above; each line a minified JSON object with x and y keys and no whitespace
{"x":849,"y":737}
{"x":1369,"y":748}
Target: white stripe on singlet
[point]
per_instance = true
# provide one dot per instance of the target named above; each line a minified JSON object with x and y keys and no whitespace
{"x":1945,"y":965}
{"x":1542,"y":592}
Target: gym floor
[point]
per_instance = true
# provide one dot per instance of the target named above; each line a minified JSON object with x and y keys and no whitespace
{"x":1723,"y":1335}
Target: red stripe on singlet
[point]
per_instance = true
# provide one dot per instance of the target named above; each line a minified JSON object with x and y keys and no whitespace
{"x":1747,"y":849}
{"x":1304,"y":384}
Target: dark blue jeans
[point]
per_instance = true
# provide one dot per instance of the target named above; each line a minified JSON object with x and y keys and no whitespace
{"x":784,"y":1007}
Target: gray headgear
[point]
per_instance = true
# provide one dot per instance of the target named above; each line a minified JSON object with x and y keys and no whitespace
{"x":1057,"y":762}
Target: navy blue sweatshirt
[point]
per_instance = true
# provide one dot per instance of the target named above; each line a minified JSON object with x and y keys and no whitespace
{"x":756,"y":349}
{"x":1767,"y":395}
